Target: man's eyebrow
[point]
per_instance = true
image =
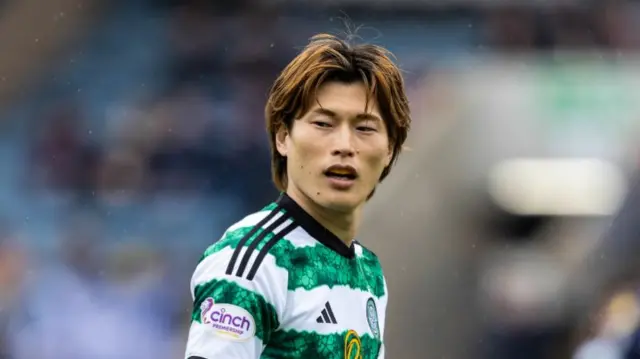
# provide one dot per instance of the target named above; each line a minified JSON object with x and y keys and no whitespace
{"x":361,"y":116}
{"x":368,"y":117}
{"x":324,"y":111}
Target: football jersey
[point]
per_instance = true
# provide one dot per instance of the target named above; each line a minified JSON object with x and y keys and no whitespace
{"x":278,"y":285}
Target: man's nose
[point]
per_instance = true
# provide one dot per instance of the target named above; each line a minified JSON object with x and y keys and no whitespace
{"x":343,"y":143}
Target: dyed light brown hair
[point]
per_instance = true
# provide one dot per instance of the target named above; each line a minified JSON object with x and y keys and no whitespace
{"x":329,"y":59}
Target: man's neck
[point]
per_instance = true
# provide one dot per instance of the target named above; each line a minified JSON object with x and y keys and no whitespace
{"x":341,"y":224}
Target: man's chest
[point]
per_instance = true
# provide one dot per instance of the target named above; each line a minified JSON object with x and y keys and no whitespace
{"x":329,"y":323}
{"x":313,"y":270}
{"x":331,"y":314}
{"x":338,"y":309}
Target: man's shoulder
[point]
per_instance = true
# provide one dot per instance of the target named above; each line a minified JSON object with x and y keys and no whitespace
{"x":241,"y":231}
{"x":259,"y":240}
{"x":365,"y":252}
{"x":259,"y":219}
{"x":368,"y":257}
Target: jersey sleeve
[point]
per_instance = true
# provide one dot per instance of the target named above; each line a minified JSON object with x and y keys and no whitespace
{"x":383,"y":318}
{"x":239,"y":296}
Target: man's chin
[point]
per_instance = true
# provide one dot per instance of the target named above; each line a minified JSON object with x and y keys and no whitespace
{"x":341,"y":202}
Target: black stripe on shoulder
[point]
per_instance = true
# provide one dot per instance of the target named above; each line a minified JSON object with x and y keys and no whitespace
{"x":267,"y":247}
{"x":236,"y":252}
{"x":194,"y":357}
{"x":254,"y":243}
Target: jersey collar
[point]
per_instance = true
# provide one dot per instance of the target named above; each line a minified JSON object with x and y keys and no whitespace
{"x":314,"y":228}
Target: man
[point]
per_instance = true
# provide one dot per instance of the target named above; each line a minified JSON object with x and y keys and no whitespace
{"x":290,"y":281}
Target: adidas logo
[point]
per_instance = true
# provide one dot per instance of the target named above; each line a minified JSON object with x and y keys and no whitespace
{"x":327,"y":315}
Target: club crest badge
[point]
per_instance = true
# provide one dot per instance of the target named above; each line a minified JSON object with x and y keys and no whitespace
{"x":372,"y":318}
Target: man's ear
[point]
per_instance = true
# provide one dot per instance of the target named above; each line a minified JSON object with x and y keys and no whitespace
{"x":389,"y":157}
{"x":281,"y":140}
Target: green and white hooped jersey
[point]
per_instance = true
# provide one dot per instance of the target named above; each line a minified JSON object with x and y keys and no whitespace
{"x":278,"y":285}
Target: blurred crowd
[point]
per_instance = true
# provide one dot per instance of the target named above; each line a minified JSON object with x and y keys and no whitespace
{"x":602,"y":26}
{"x":147,"y":140}
{"x":116,"y":208}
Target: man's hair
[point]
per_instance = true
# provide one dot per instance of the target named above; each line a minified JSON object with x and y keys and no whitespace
{"x":329,"y":59}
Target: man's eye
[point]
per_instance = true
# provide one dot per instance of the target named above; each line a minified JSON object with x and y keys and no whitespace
{"x":322,"y":124}
{"x":366,"y":129}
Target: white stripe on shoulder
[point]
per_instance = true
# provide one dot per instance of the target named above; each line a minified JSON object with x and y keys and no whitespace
{"x":269,"y":259}
{"x":281,"y":227}
{"x":253,"y":219}
{"x":298,"y":237}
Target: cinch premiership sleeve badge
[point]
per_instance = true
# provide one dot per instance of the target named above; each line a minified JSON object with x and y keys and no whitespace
{"x":227,"y":320}
{"x":372,"y":318}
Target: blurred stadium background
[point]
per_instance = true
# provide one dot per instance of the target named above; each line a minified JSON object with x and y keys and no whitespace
{"x":132,"y":135}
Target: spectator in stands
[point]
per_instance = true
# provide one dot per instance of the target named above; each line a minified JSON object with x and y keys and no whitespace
{"x":12,"y":274}
{"x":62,"y":160}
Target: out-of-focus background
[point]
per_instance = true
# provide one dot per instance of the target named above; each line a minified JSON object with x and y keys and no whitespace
{"x":132,"y":135}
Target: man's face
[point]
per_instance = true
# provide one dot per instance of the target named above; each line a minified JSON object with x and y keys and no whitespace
{"x":337,"y":151}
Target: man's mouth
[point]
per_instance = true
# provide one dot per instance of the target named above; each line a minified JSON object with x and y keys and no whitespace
{"x":341,"y":172}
